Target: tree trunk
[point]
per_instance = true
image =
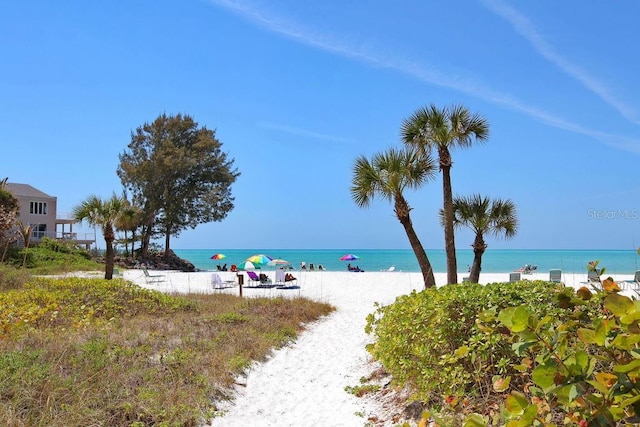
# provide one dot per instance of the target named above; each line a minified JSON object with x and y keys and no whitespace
{"x":146,"y":238}
{"x":167,"y":237}
{"x":479,"y":247}
{"x":110,"y":254}
{"x":402,"y":212}
{"x":447,"y":208}
{"x":126,"y":243}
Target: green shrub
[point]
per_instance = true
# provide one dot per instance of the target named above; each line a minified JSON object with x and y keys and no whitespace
{"x":447,"y":344}
{"x":584,"y":371}
{"x":51,"y":257}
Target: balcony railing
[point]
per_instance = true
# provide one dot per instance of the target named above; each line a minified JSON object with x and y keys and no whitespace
{"x":83,"y":237}
{"x":64,"y":215}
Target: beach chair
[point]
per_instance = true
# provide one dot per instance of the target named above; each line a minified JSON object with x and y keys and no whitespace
{"x":285,"y":280}
{"x":633,"y":284}
{"x":514,"y":277}
{"x":153,"y":278}
{"x":593,"y":279}
{"x":265,"y":281}
{"x":216,"y":282}
{"x":254,"y":280}
{"x":555,"y":275}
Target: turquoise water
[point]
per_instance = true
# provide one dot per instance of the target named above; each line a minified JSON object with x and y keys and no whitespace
{"x":493,"y":261}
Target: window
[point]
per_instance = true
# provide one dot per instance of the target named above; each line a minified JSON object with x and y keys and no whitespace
{"x":39,"y":231}
{"x":38,"y":208}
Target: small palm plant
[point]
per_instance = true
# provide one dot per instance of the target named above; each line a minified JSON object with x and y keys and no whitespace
{"x":105,"y":214}
{"x":387,"y":175}
{"x":24,"y":231}
{"x":483,"y":216}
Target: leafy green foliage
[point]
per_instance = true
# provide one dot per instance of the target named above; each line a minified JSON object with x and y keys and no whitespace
{"x":9,"y":210}
{"x":51,"y":257}
{"x":585,"y":368}
{"x":174,"y":156}
{"x":449,"y":346}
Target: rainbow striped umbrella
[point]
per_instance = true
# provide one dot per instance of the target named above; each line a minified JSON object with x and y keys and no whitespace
{"x":278,"y":262}
{"x":218,"y":256}
{"x":248,"y":265}
{"x":260,"y":259}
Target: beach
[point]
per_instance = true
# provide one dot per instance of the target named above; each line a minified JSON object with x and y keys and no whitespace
{"x":304,"y":382}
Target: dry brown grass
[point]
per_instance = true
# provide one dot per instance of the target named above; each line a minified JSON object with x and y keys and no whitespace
{"x":141,"y":367}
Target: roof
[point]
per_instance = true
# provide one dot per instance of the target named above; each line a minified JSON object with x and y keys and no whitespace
{"x":25,"y":190}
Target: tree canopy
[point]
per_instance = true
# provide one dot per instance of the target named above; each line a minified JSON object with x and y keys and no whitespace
{"x":178,"y":174}
{"x":9,"y":211}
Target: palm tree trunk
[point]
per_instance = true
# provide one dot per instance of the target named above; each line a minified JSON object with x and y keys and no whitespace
{"x":447,"y":208}
{"x":126,"y":243}
{"x":479,"y":246}
{"x":109,"y":237}
{"x":402,"y":212}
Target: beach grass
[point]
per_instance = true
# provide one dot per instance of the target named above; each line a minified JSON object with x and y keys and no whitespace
{"x":51,"y":257}
{"x":80,"y":351}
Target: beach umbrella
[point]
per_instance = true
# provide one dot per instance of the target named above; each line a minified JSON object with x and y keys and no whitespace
{"x":259,"y":259}
{"x":349,"y":257}
{"x":278,"y":262}
{"x":218,"y":256}
{"x":248,"y":265}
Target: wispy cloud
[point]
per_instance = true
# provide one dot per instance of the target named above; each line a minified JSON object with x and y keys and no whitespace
{"x":305,"y":133}
{"x":325,"y":41}
{"x":527,"y":30}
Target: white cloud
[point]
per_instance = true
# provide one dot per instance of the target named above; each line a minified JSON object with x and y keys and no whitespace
{"x":305,"y":133}
{"x":271,"y":21}
{"x":527,"y":30}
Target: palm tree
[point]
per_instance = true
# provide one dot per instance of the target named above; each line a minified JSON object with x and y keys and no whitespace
{"x":497,"y":217}
{"x":387,"y":175}
{"x":24,"y":231}
{"x":130,"y":220}
{"x":105,"y":214}
{"x":442,"y":129}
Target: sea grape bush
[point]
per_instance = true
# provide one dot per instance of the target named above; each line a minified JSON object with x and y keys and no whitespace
{"x":449,"y":346}
{"x":579,"y":370}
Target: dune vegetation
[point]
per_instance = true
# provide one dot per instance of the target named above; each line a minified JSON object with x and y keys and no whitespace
{"x":82,"y":351}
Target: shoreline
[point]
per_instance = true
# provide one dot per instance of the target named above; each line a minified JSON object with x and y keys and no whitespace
{"x":370,"y":260}
{"x":304,"y":382}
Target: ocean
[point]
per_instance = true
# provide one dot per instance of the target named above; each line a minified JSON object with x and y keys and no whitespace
{"x":493,"y":261}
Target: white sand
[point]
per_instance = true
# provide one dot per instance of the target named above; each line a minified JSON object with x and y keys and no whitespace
{"x":304,"y":383}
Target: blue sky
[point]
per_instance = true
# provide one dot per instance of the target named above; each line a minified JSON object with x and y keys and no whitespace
{"x":297,"y":90}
